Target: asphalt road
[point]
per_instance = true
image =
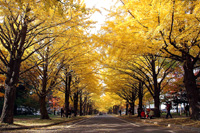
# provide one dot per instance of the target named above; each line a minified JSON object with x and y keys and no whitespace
{"x":106,"y":124}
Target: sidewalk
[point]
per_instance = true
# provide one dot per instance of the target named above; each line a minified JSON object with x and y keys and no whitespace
{"x":7,"y":127}
{"x":175,"y":122}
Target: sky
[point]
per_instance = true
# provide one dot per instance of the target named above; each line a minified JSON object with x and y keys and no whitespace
{"x":99,"y":17}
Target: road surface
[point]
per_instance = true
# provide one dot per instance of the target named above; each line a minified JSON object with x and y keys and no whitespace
{"x":105,"y":124}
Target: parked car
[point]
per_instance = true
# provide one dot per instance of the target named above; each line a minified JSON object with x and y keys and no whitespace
{"x":100,"y":113}
{"x":173,"y":110}
{"x":164,"y":111}
{"x":124,"y":112}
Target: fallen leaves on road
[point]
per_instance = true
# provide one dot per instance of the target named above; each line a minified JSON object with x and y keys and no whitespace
{"x":177,"y":120}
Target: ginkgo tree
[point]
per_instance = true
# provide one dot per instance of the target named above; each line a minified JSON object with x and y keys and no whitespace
{"x":174,"y":27}
{"x":86,"y":82}
{"x":150,"y":27}
{"x":80,"y":69}
{"x":123,"y":86}
{"x":26,"y":27}
{"x":149,"y":70}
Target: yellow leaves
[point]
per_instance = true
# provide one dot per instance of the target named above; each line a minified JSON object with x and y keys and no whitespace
{"x":107,"y":101}
{"x":2,"y":79}
{"x":1,"y":94}
{"x":194,"y":50}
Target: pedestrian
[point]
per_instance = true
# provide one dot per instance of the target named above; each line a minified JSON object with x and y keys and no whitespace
{"x":147,"y":111}
{"x":62,"y":112}
{"x":54,"y":112}
{"x":69,"y":113}
{"x":139,"y":112}
{"x":169,"y":107}
{"x":120,"y":112}
{"x":72,"y":112}
{"x":187,"y":110}
{"x":129,"y":112}
{"x":142,"y":114}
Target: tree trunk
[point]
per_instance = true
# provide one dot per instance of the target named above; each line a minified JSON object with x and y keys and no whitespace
{"x":87,"y":109}
{"x":193,"y":93}
{"x":90,"y":109}
{"x":133,"y":107}
{"x":81,"y":104}
{"x":157,"y":106}
{"x":11,"y":81}
{"x":156,"y":90}
{"x":43,"y":109}
{"x":75,"y":103}
{"x":126,"y":108}
{"x":8,"y":107}
{"x":133,"y":98}
{"x":84,"y":106}
{"x":66,"y":102}
{"x":140,"y":96}
{"x":67,"y":93}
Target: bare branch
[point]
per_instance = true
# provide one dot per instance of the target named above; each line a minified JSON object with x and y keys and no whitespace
{"x":134,"y":16}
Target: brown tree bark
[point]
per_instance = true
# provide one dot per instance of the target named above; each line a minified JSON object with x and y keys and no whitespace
{"x":156,"y":96}
{"x":156,"y":105}
{"x":132,"y":107}
{"x":12,"y":78}
{"x":140,"y":96}
{"x":75,"y":103}
{"x":193,"y":92}
{"x":127,"y":108}
{"x":85,"y":106}
{"x":8,"y":108}
{"x":67,"y":92}
{"x":43,"y":109}
{"x":81,"y":104}
{"x":90,"y":109}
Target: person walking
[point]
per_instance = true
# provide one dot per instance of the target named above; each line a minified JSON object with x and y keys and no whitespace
{"x":187,"y":110}
{"x":54,"y":111}
{"x":169,"y":107}
{"x":139,"y":112}
{"x":62,"y":112}
{"x":120,"y":112}
{"x":129,"y":112}
{"x":143,"y":116}
{"x":69,"y":113}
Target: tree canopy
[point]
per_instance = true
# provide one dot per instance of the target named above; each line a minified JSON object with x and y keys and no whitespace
{"x":137,"y":54}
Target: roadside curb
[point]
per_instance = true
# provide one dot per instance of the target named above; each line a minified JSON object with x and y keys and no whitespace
{"x":40,"y":126}
{"x":164,"y":124}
